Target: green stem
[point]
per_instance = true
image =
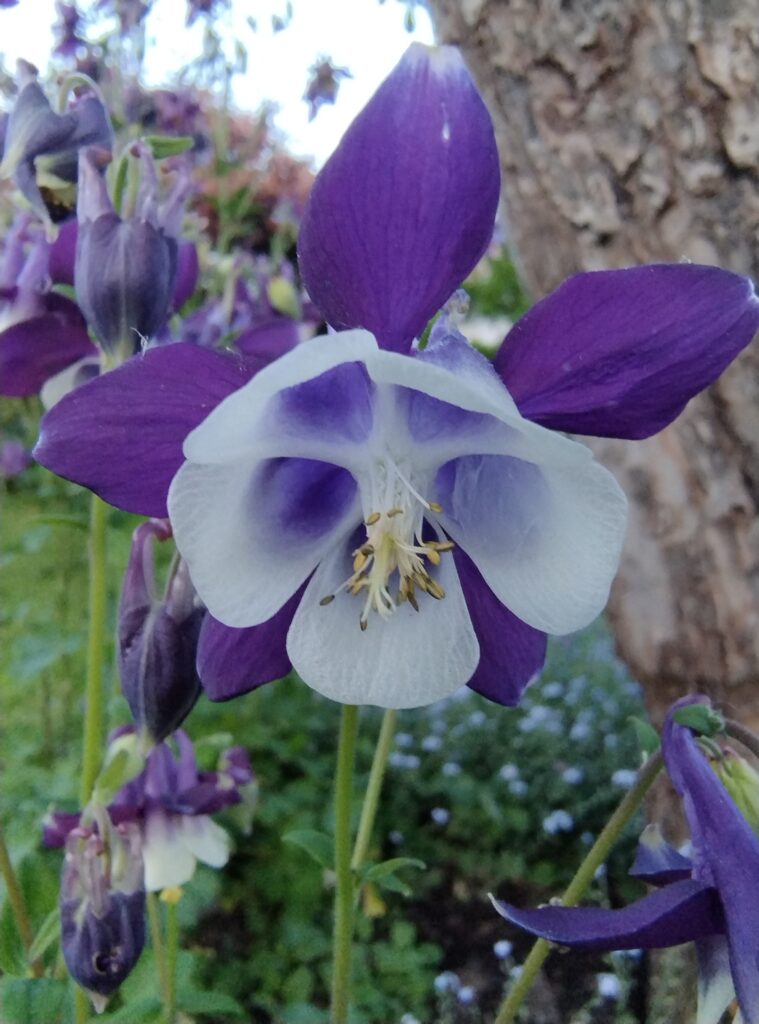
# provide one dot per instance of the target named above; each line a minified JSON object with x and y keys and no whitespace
{"x":343,"y":930}
{"x":172,"y":951}
{"x":81,"y":1006}
{"x":581,"y":882}
{"x":98,"y":598}
{"x":743,"y":735}
{"x":373,"y":789}
{"x":17,"y":904}
{"x":156,"y":938}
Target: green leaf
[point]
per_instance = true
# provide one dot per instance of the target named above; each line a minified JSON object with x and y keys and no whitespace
{"x":48,"y":933}
{"x":169,"y":145}
{"x":701,"y":719}
{"x":12,"y":956}
{"x":77,"y":522}
{"x":648,"y":738}
{"x":33,"y":1000}
{"x":195,"y":1001}
{"x":318,"y":845}
{"x":394,"y":884}
{"x":143,"y":1010}
{"x":389,"y":867}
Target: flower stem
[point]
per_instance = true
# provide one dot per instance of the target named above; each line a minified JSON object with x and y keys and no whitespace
{"x":17,"y":904}
{"x":577,"y":888}
{"x":373,"y":789}
{"x":743,"y":735}
{"x":156,"y":938}
{"x":98,"y":598}
{"x":172,"y":951}
{"x":343,"y":930}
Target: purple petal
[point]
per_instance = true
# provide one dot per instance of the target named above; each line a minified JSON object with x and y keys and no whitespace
{"x":186,"y":279}
{"x":619,"y":353}
{"x":267,"y":341}
{"x":63,"y":253}
{"x":511,"y":652}
{"x":336,"y":405}
{"x":34,"y":350}
{"x":658,"y":863}
{"x":234,"y":661}
{"x":727,"y":851}
{"x":121,"y":435}
{"x":681,"y":912}
{"x":404,"y":208}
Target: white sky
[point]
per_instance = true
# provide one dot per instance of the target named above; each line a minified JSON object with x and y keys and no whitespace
{"x":363,"y":35}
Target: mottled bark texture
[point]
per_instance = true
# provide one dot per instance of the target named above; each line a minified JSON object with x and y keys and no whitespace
{"x":629,"y":133}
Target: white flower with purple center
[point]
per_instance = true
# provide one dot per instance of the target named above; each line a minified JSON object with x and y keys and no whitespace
{"x":397,"y":522}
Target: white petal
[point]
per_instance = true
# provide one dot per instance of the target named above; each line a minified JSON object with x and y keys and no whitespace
{"x":407,"y":660}
{"x":547,"y":541}
{"x":715,"y":981}
{"x":244,"y":564}
{"x":242,"y":425}
{"x":60,"y":384}
{"x":205,"y":840}
{"x":168,"y":860}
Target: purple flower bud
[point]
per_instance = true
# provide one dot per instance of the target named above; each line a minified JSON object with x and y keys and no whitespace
{"x":102,"y":906}
{"x":125,"y":269}
{"x":14,"y":458}
{"x":157,"y":639}
{"x":42,"y":147}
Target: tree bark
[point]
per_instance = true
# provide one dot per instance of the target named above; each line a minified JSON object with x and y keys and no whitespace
{"x":629,"y":133}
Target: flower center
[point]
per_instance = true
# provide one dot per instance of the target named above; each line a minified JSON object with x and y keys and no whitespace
{"x":394,"y":545}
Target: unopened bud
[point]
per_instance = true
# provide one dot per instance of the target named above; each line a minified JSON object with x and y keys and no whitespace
{"x":741,"y":781}
{"x":158,"y":639}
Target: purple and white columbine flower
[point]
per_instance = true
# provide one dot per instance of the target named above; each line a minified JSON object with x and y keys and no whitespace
{"x":710,"y":900}
{"x":358,"y":478}
{"x":171,"y":804}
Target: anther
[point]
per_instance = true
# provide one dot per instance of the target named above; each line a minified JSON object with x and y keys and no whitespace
{"x":394,"y":512}
{"x":433,"y":556}
{"x":363,"y":623}
{"x":373,"y":518}
{"x":327,"y":600}
{"x":359,"y":561}
{"x":435,"y":590}
{"x":434,"y":507}
{"x":440,"y":545}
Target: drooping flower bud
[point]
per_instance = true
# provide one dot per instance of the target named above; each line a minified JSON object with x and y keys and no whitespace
{"x":125,"y":269}
{"x":158,"y":639}
{"x":42,"y":147}
{"x":102,"y":906}
{"x":741,"y":780}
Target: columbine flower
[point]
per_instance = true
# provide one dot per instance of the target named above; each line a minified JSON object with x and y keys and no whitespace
{"x":42,"y":147}
{"x":171,"y":803}
{"x":397,"y":522}
{"x":41,"y":332}
{"x":711,"y":900}
{"x":158,"y":639}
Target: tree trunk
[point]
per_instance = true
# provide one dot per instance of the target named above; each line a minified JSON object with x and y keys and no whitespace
{"x":629,"y":133}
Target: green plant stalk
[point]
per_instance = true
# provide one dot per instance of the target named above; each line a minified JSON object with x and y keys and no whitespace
{"x":579,"y":885}
{"x":94,"y":704}
{"x":81,"y":1006}
{"x":343,"y":928}
{"x":17,"y":904}
{"x":172,"y":950}
{"x":743,"y":735}
{"x":373,"y":789}
{"x":156,"y":938}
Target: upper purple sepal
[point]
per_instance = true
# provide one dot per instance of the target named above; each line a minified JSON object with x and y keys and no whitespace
{"x":658,"y":863}
{"x":121,"y":435}
{"x":619,"y":353}
{"x":404,"y":208}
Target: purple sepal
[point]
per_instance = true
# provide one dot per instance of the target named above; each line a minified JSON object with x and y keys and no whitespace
{"x":658,"y":863}
{"x":404,"y":208}
{"x":188,"y":270}
{"x":121,"y":435}
{"x":727,"y":852}
{"x":63,"y":253}
{"x":234,"y":661}
{"x":619,"y":353}
{"x":681,"y":912}
{"x":14,"y":459}
{"x":511,"y":652}
{"x":267,"y":341}
{"x":157,"y":639}
{"x":34,"y":350}
{"x":56,"y":826}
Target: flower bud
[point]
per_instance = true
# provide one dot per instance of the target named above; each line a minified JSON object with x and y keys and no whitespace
{"x":741,"y":781}
{"x":41,"y":147}
{"x":102,"y":907}
{"x":125,"y":269}
{"x":157,"y":639}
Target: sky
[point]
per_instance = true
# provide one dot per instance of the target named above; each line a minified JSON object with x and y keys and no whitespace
{"x":363,"y":35}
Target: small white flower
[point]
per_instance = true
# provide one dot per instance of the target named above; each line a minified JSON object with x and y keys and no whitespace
{"x":503,"y":949}
{"x":440,"y":815}
{"x":624,"y":778}
{"x":558,"y":821}
{"x":609,"y":986}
